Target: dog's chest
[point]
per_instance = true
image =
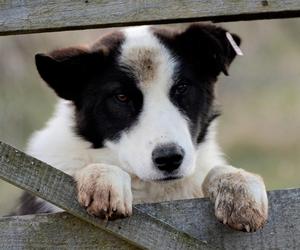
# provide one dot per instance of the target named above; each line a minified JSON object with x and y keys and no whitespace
{"x":146,"y":192}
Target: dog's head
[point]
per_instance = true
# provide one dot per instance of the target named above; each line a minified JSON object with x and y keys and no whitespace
{"x":145,"y":93}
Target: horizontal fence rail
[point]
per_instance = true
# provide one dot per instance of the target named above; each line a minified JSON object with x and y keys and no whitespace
{"x":31,"y":16}
{"x":188,"y":224}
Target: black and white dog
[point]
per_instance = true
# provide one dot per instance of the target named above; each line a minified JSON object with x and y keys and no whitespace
{"x":137,"y":124}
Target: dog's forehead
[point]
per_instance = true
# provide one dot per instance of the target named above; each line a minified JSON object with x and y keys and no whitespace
{"x":147,"y":58}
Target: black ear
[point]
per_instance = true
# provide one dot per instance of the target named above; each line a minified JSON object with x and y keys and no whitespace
{"x":66,"y":70}
{"x":204,"y":47}
{"x":225,"y":53}
{"x":210,"y":43}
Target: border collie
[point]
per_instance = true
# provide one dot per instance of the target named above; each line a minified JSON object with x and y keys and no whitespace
{"x":136,"y":123}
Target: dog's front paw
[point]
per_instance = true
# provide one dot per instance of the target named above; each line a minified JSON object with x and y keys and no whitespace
{"x":240,"y":198}
{"x":105,"y":191}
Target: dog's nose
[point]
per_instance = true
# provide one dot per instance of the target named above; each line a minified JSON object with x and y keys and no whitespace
{"x":167,"y":157}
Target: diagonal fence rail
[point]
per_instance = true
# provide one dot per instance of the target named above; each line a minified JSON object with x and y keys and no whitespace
{"x":51,"y":184}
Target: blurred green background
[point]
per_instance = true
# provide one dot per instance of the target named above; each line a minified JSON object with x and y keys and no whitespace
{"x":260,"y":126}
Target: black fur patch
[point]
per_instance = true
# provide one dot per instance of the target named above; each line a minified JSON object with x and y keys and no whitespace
{"x":203,"y":51}
{"x":28,"y":204}
{"x":100,"y":115}
{"x":93,"y":80}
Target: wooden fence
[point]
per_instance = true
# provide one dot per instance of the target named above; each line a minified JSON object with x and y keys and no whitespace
{"x":188,"y":224}
{"x":39,"y":15}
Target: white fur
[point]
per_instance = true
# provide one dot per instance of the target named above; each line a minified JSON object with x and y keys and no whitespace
{"x":160,"y":122}
{"x":239,"y":196}
{"x":104,"y":188}
{"x":58,"y":145}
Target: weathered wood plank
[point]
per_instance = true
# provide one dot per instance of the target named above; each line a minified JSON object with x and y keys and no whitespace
{"x":55,"y":231}
{"x":58,"y":188}
{"x":31,"y":16}
{"x":195,"y":217}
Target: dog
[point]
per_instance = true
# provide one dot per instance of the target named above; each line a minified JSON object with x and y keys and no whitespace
{"x":136,"y":123}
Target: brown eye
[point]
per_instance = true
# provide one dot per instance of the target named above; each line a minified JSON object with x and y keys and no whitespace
{"x":181,"y":88}
{"x":122,"y":98}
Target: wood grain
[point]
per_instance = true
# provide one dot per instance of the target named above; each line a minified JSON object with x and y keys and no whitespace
{"x":40,"y":179}
{"x":195,"y":217}
{"x":158,"y":226}
{"x":31,"y":16}
{"x":55,"y":231}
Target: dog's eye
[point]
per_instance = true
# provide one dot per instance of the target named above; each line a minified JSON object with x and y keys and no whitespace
{"x":180,"y":88}
{"x":122,"y":98}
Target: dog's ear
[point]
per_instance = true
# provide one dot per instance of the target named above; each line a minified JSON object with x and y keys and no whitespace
{"x":65,"y":70}
{"x":219,"y":42}
{"x":203,"y":46}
